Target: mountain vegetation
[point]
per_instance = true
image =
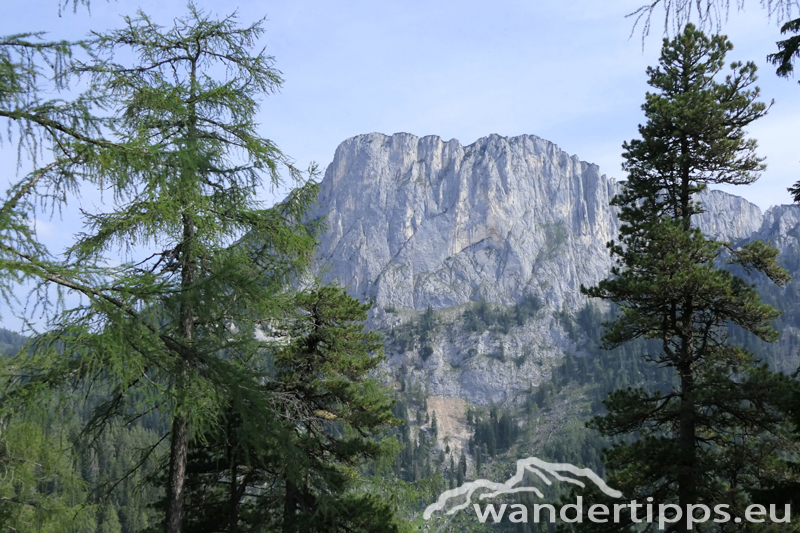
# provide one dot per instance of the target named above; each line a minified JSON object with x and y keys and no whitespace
{"x":201,"y":340}
{"x":194,"y":376}
{"x":715,"y":436}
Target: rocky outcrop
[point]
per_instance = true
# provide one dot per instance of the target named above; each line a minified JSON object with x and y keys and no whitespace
{"x":418,"y":222}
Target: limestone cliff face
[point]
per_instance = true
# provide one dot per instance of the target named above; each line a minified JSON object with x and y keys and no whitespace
{"x":417,"y":222}
{"x":728,"y":217}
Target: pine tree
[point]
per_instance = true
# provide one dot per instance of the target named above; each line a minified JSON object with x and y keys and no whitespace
{"x":109,"y":521}
{"x":451,"y":473}
{"x":788,"y":52}
{"x":338,"y":413}
{"x":462,"y":468}
{"x":707,"y":439}
{"x":299,"y":471}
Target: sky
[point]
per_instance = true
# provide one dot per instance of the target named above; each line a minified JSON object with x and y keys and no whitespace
{"x":567,"y":71}
{"x":572,"y":72}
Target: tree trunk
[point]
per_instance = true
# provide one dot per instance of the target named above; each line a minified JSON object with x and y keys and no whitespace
{"x":289,"y":507}
{"x":177,"y":474}
{"x":687,"y":482}
{"x":687,"y":486}
{"x":180,"y":424}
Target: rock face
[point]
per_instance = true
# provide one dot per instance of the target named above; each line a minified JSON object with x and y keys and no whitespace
{"x":418,"y":222}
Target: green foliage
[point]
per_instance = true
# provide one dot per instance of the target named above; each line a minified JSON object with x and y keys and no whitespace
{"x":715,"y":431}
{"x":11,"y":343}
{"x":481,"y":315}
{"x":54,"y":466}
{"x":495,"y":432}
{"x":181,"y":329}
{"x":166,"y":338}
{"x":109,"y":521}
{"x":59,"y":139}
{"x":297,"y":468}
{"x":601,"y":371}
{"x":415,"y":462}
{"x":788,"y":50}
{"x":39,"y":488}
{"x":417,"y":333}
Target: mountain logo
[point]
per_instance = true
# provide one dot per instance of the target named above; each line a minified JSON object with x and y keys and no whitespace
{"x":542,"y":469}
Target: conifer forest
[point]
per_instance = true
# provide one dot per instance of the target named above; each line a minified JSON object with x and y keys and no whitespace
{"x":231,"y":343}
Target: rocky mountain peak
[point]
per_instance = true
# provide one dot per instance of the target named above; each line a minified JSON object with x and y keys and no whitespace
{"x":417,"y":221}
{"x":503,"y":224}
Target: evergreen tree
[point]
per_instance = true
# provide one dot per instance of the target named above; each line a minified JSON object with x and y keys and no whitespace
{"x":451,"y":473}
{"x":338,"y":412}
{"x":39,"y":484}
{"x":462,"y":468}
{"x":176,"y":331}
{"x":109,"y":521}
{"x":709,"y":439}
{"x":300,"y":470}
{"x":788,"y":51}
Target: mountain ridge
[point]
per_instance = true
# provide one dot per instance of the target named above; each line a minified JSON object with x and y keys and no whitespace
{"x":419,"y":222}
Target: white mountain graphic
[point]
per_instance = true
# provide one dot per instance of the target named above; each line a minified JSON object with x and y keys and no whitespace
{"x":544,"y":470}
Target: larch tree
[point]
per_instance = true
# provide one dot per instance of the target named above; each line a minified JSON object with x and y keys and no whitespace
{"x":206,"y":290}
{"x":175,"y":329}
{"x":44,"y":128}
{"x":709,"y":439}
{"x":710,"y":14}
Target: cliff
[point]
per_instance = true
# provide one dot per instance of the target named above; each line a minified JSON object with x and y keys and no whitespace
{"x":420,"y":222}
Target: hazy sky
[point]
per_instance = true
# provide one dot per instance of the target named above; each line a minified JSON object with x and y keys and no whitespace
{"x":567,"y":71}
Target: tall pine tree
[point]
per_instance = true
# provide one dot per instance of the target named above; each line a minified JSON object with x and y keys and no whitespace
{"x":708,"y":438}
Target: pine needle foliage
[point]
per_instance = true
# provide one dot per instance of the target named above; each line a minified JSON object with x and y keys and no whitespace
{"x":788,"y":50}
{"x":713,"y":436}
{"x":303,"y":470}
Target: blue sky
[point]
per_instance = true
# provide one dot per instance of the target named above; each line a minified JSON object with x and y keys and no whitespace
{"x":567,"y":71}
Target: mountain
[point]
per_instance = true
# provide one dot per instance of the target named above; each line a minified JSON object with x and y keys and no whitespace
{"x":420,"y":223}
